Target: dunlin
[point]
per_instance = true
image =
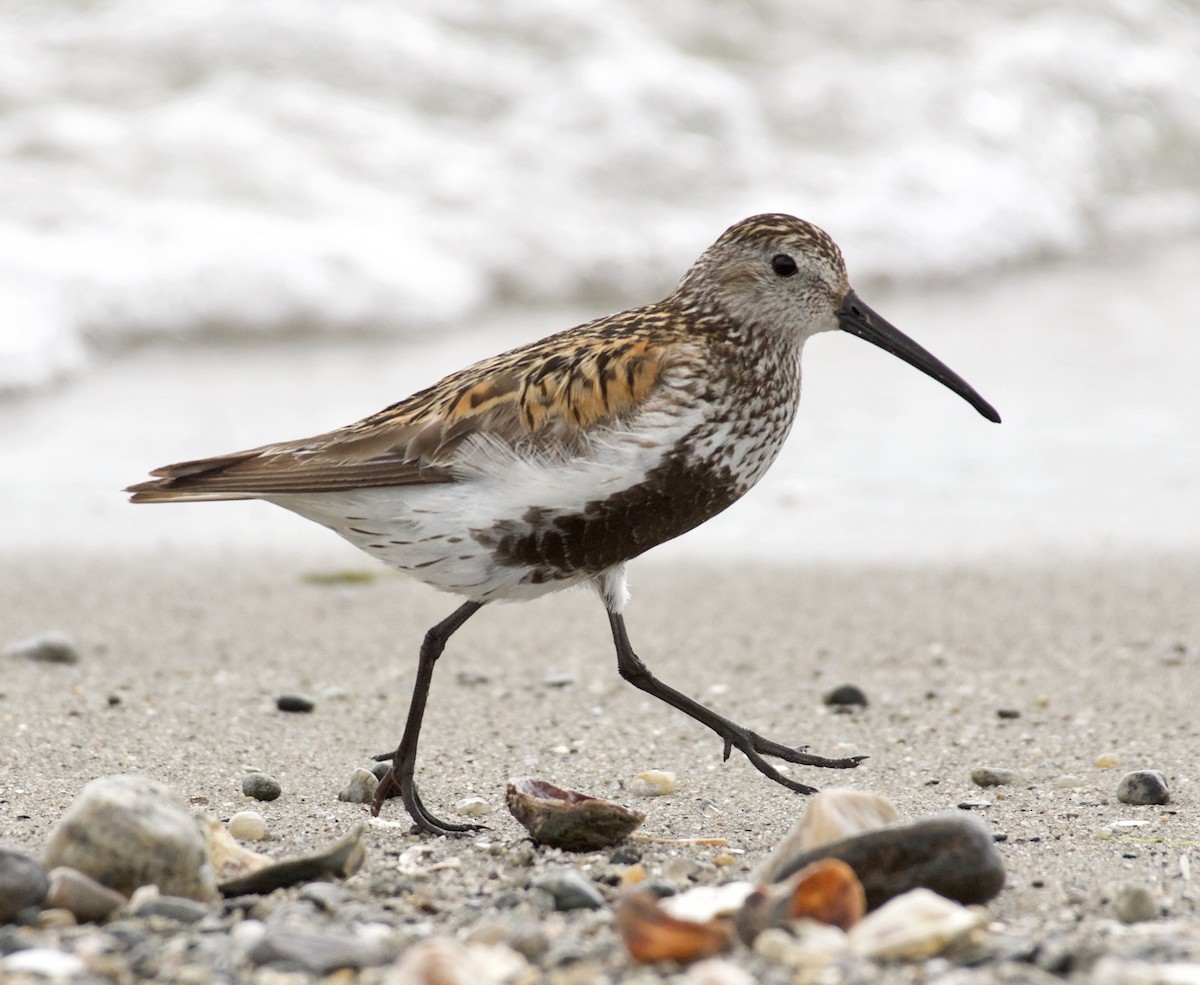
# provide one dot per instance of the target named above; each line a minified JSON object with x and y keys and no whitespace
{"x":556,"y":463}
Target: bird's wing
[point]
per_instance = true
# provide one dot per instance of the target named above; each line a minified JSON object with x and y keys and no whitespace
{"x":553,"y":393}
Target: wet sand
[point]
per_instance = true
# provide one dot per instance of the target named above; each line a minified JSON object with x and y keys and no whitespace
{"x":181,"y":657}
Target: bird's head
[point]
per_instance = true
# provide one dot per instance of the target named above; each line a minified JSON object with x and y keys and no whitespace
{"x":779,"y":274}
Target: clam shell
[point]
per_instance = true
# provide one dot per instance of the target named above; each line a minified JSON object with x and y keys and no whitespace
{"x":568,"y":819}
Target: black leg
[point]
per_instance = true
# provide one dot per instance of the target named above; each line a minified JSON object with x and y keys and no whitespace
{"x":404,"y":759}
{"x":752,"y":745}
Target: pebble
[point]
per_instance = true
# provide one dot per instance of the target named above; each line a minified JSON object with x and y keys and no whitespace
{"x":558,"y":680}
{"x":1008,"y":713}
{"x":992,"y":776}
{"x":951,"y":854}
{"x":248,"y":826}
{"x":473,"y":807}
{"x":569,"y":890}
{"x":1068,"y":781}
{"x":43,"y":963}
{"x":47,"y":648}
{"x":23,"y":884}
{"x":1143,"y":787}
{"x":716,"y":971}
{"x":1136,"y":904}
{"x":974,"y":804}
{"x":446,"y":961}
{"x":319,"y":952}
{"x":846,"y":696}
{"x":128,"y":831}
{"x":360,"y":788}
{"x":261,"y":786}
{"x":89,"y":901}
{"x":326,"y":896}
{"x":1107,"y":761}
{"x":652,"y":783}
{"x":172,"y":907}
{"x":295,"y":703}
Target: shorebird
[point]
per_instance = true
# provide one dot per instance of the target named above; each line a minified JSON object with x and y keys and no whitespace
{"x":556,"y":463}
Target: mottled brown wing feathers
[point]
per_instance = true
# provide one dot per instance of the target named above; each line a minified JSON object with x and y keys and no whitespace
{"x":554,"y":390}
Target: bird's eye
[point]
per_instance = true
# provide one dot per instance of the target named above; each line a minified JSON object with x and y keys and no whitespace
{"x":783,"y":265}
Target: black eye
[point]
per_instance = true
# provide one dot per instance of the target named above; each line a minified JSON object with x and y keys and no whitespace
{"x":783,"y":265}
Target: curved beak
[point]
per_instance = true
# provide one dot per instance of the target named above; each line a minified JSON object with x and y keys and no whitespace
{"x":859,"y":319}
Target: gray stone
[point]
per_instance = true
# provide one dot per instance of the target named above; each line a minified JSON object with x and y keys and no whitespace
{"x":295,"y":703}
{"x":82,"y":895}
{"x":992,"y":776}
{"x":23,"y":884}
{"x":316,"y":952}
{"x":1136,"y":904}
{"x":261,"y":786}
{"x":1143,"y":787}
{"x":327,"y":896}
{"x":570,"y":890}
{"x":129,"y":831}
{"x":49,"y":648}
{"x":173,"y":907}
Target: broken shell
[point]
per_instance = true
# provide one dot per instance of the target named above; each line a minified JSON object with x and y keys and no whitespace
{"x":914,"y":926}
{"x":706,"y":902}
{"x":651,"y":934}
{"x":827,"y":891}
{"x":229,"y":859}
{"x":340,"y":860}
{"x":831,"y":815}
{"x":566,"y":818}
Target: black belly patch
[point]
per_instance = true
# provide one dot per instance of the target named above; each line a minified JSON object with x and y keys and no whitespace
{"x":675,"y":497}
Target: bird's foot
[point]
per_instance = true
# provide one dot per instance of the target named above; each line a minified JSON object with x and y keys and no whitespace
{"x":401,"y":784}
{"x":753,"y":746}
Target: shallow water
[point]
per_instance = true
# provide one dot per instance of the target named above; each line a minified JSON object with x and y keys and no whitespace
{"x":280,"y":167}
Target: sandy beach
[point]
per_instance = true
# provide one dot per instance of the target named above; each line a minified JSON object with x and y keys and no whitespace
{"x":181,"y":658}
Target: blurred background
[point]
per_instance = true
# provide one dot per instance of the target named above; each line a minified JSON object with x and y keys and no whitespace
{"x":229,"y":222}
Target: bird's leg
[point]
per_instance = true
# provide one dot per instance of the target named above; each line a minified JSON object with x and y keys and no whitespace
{"x":404,"y":759}
{"x":752,"y":745}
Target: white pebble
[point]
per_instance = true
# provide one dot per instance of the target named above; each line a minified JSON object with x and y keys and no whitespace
{"x":1068,"y":782}
{"x":248,"y":826}
{"x":43,"y":962}
{"x":652,"y":783}
{"x":473,"y":807}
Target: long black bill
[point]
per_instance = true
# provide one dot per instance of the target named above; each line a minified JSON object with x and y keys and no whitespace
{"x":859,"y":319}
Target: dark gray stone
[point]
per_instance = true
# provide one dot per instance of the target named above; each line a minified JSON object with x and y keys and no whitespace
{"x":48,"y":648}
{"x":23,"y":884}
{"x":261,"y":786}
{"x":846,"y":696}
{"x":570,"y":890}
{"x":992,"y":776}
{"x":295,"y":702}
{"x":1143,"y":787}
{"x":952,"y":854}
